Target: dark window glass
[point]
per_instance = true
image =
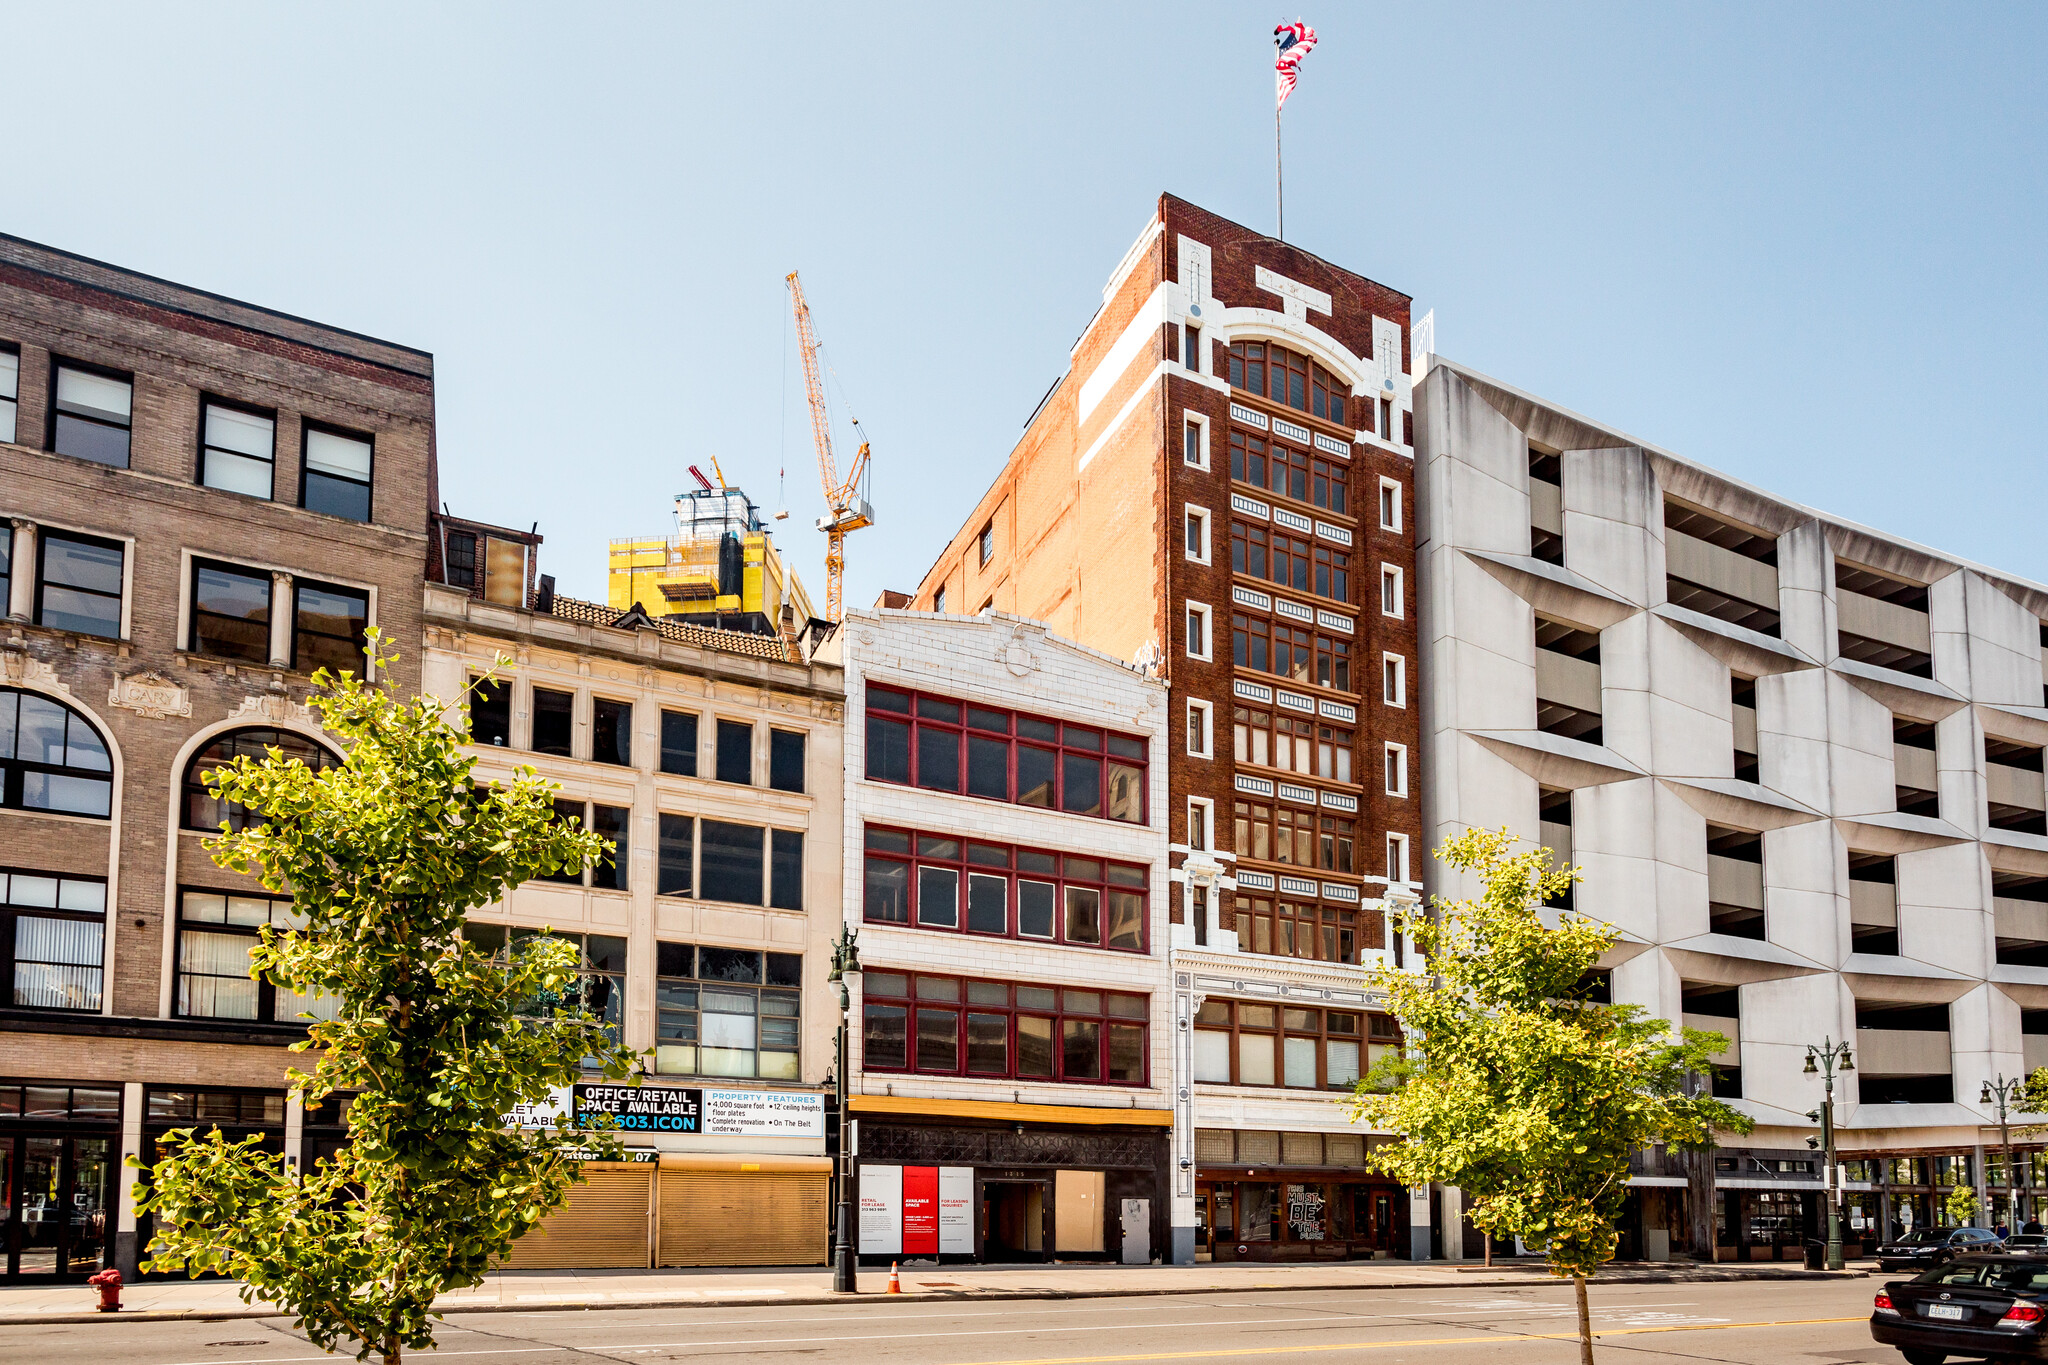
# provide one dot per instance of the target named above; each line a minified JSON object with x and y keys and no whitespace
{"x":570,"y":812}
{"x":785,"y":969}
{"x":988,"y":910}
{"x":461,"y":559}
{"x":611,"y":731}
{"x":887,"y":699}
{"x":1034,"y":1046}
{"x":1030,"y":727}
{"x":553,"y":714}
{"x":337,"y":477}
{"x":739,"y":966}
{"x":988,"y":767}
{"x":885,"y":893}
{"x":490,"y":712}
{"x":731,"y":862}
{"x":329,"y":628}
{"x":678,"y":845}
{"x":786,"y":760}
{"x":988,"y":1044}
{"x":786,"y":869}
{"x":735,"y":752}
{"x":1037,"y":904}
{"x":92,"y":416}
{"x":237,"y":450}
{"x":80,"y":585}
{"x":882,"y":1036}
{"x":679,"y":743}
{"x":888,"y":748}
{"x":1035,"y":776}
{"x":938,"y":1040}
{"x":609,"y":871}
{"x":1126,"y":1054}
{"x":1082,"y":794}
{"x":935,"y":708}
{"x":207,"y":812}
{"x":938,"y":759}
{"x":1081,"y":1050}
{"x":231,"y":612}
{"x":938,"y":897}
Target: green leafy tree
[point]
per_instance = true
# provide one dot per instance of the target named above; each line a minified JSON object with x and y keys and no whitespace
{"x":383,"y":856}
{"x":1961,"y":1206}
{"x":1518,"y":1089}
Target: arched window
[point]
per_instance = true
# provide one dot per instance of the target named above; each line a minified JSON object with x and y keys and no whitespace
{"x":204,"y":811}
{"x":51,"y":758}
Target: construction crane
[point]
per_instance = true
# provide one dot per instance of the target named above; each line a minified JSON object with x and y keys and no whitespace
{"x":847,"y":510}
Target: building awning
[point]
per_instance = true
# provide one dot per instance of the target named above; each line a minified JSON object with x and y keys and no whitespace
{"x":739,"y":1162}
{"x":1721,"y":1184}
{"x":1660,"y":1182}
{"x":1003,"y":1111}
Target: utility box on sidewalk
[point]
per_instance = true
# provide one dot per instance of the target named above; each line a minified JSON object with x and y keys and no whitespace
{"x":1137,"y":1239}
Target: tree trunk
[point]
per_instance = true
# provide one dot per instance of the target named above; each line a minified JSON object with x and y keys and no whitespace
{"x":392,"y":1350}
{"x":1585,"y":1322}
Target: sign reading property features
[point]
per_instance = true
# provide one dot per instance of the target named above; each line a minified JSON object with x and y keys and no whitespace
{"x":710,"y":1113}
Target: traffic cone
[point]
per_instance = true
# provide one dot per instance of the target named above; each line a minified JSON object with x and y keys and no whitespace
{"x":895,"y":1281}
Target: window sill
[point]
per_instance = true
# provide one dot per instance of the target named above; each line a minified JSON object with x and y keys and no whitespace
{"x":70,"y":639}
{"x":103,"y":821}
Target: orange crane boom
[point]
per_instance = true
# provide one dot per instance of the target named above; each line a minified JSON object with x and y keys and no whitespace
{"x":846,"y":509}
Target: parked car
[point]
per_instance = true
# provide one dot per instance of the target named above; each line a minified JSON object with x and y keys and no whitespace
{"x":2028,"y":1243}
{"x":1934,"y":1246}
{"x":1976,"y":1306}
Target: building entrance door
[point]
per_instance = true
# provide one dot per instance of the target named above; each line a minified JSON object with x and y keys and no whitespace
{"x":57,"y":1195}
{"x":1013,"y":1220}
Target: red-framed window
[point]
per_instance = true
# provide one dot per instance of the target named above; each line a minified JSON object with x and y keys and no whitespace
{"x":1287,"y":377}
{"x":942,"y":744}
{"x":962,"y":1026}
{"x":968,"y":886}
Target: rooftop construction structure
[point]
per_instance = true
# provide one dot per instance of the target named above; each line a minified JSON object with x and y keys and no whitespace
{"x":719,"y":568}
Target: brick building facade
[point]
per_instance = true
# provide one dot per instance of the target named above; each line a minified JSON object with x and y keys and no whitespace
{"x":201,"y":501}
{"x":1221,"y":487}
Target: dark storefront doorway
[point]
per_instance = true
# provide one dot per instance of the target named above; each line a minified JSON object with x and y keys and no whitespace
{"x":57,"y":1178}
{"x":1013,"y":1220}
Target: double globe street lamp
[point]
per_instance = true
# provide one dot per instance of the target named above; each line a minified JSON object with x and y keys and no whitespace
{"x":2006,"y":1093}
{"x":1826,"y":1060}
{"x":845,"y":963}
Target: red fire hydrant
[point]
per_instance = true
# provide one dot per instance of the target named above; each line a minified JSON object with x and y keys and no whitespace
{"x":108,"y":1282}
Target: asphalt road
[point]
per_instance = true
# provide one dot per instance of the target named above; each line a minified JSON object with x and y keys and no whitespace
{"x":1779,"y":1323}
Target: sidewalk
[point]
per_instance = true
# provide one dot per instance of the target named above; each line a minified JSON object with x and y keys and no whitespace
{"x":540,"y":1290}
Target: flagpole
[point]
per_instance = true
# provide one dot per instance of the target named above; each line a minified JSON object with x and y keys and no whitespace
{"x":1279,"y":190}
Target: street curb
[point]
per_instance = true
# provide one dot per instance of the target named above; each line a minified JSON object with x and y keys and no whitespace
{"x":925,"y":1296}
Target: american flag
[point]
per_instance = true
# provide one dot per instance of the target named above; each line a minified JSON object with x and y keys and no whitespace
{"x":1294,"y":41}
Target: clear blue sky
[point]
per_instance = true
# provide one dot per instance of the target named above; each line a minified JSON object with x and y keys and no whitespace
{"x":1800,"y":243}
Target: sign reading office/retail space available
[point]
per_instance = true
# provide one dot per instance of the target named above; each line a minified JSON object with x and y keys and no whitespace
{"x":708,"y":1113}
{"x":641,"y":1108}
{"x":916,"y":1210}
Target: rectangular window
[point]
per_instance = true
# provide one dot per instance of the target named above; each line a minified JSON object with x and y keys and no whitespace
{"x":216,"y":930}
{"x":1201,"y":729}
{"x":1390,"y":505}
{"x":736,"y":752}
{"x":679,"y":743}
{"x":1397,"y":857}
{"x":10,"y":394}
{"x":985,"y":544}
{"x":490,"y":712}
{"x":1393,"y":680}
{"x":611,"y":822}
{"x":52,"y":937}
{"x":920,"y":879}
{"x":1397,"y":770}
{"x":954,"y":747}
{"x":1009,"y":1029}
{"x":1191,"y":354}
{"x":459,"y":559}
{"x":1194,"y":442}
{"x":553,"y":721}
{"x":237,"y":449}
{"x":1198,"y":631}
{"x":231,"y":612}
{"x":1391,"y":603}
{"x":786,"y":869}
{"x":6,"y":563}
{"x":91,"y":415}
{"x":330,"y":628}
{"x":599,"y":986}
{"x":731,"y":862}
{"x":79,"y":585}
{"x":676,"y":853}
{"x":727,"y":1012}
{"x":1201,"y":812}
{"x":786,"y":760}
{"x":337,"y":478}
{"x":1197,"y":534}
{"x":939,"y":600}
{"x":1300,"y":1048}
{"x":611,"y":731}
{"x":577,"y":815}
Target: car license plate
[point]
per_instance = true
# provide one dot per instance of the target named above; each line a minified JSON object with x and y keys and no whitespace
{"x":1952,"y":1311}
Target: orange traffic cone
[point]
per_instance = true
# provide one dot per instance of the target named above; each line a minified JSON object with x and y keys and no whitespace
{"x":895,"y":1281}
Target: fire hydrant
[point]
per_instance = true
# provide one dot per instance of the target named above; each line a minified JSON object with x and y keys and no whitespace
{"x":108,"y":1282}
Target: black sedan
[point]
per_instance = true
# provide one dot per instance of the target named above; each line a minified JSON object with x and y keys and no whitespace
{"x":1934,"y":1246}
{"x":1975,"y":1307}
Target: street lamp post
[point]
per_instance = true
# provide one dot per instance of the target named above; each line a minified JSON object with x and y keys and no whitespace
{"x":845,"y":962}
{"x":2003,"y":1092}
{"x":1827,"y":1059}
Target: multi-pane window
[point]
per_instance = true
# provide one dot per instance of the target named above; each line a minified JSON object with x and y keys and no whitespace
{"x":554,"y":715}
{"x":985,"y":544}
{"x":937,"y":881}
{"x":459,"y":559}
{"x":52,"y":936}
{"x":93,"y":412}
{"x":79,"y":587}
{"x":722,"y":861}
{"x":337,"y":481}
{"x":216,"y":931}
{"x":954,"y":1026}
{"x":945,"y":745}
{"x":735,"y":752}
{"x":10,"y":393}
{"x":1333,"y":753}
{"x":1281,"y":834}
{"x":1331,"y":487}
{"x":1272,"y":466}
{"x":231,"y":612}
{"x":1290,"y":651}
{"x":786,"y":760}
{"x":237,"y":449}
{"x":611,"y":731}
{"x":51,"y":758}
{"x":204,"y":811}
{"x":1247,"y":1043}
{"x":1272,"y":555}
{"x":1281,"y":741}
{"x":1334,"y":848}
{"x":679,"y":743}
{"x":608,"y":870}
{"x":598,"y":987}
{"x":1333,"y":574}
{"x":1326,"y":932}
{"x":490,"y":712}
{"x":1280,"y":374}
{"x":329,"y":628}
{"x":727,"y":1012}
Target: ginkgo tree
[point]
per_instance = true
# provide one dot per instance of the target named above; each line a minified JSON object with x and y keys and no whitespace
{"x":435,"y":1039}
{"x":1517,"y":1087}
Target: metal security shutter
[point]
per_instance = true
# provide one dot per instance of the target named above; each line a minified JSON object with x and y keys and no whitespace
{"x":602,"y":1227}
{"x":751,"y":1218}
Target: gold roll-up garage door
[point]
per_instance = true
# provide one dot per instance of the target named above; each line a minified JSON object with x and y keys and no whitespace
{"x":602,"y":1227}
{"x":743,"y":1214}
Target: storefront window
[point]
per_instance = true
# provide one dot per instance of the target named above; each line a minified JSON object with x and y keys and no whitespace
{"x":1908,"y":1170}
{"x":727,"y":1012}
{"x":1258,"y":1217}
{"x":943,"y":1025}
{"x":1952,"y":1170}
{"x":1307,"y":1213}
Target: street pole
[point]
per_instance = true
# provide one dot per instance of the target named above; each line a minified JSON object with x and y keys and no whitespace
{"x":845,"y":961}
{"x":1826,"y":1059}
{"x":2002,"y":1093}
